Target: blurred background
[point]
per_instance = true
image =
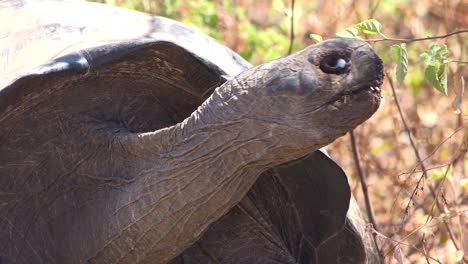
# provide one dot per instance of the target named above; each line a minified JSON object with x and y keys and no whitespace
{"x":419,"y":218}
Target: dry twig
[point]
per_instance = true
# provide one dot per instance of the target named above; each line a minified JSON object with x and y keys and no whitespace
{"x":421,"y":164}
{"x":385,"y":38}
{"x":365,"y":192}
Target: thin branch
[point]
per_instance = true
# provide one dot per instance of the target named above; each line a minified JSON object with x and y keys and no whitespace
{"x":374,"y":9}
{"x":365,"y":192}
{"x":418,"y":157}
{"x":408,"y":132}
{"x":460,"y":62}
{"x":385,"y":38}
{"x":437,"y":221}
{"x":363,"y":180}
{"x":461,"y":128}
{"x":439,"y":190}
{"x":423,"y":242}
{"x":291,"y":33}
{"x":400,"y":242}
{"x":435,"y":167}
{"x":454,"y":157}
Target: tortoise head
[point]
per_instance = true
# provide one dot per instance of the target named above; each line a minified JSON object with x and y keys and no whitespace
{"x":322,"y":91}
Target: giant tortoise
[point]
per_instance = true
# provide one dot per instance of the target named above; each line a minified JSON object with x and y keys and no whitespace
{"x":131,"y":138}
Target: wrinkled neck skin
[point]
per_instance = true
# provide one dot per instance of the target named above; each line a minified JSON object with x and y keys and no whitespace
{"x":193,"y":172}
{"x":227,"y":128}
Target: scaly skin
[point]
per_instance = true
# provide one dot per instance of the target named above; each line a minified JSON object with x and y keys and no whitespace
{"x":164,"y":188}
{"x":268,"y":115}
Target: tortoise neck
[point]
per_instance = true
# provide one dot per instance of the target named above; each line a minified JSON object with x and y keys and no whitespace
{"x":194,"y":172}
{"x":219,"y":138}
{"x":215,"y":137}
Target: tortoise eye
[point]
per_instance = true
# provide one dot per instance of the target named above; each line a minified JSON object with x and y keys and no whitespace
{"x":334,"y":65}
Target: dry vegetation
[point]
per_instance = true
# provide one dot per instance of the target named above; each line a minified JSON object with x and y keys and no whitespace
{"x":421,"y":212}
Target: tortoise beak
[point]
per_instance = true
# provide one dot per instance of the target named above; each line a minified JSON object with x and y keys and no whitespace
{"x":369,"y":65}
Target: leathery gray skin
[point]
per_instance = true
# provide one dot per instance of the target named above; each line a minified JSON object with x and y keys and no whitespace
{"x":267,"y":115}
{"x":182,"y":178}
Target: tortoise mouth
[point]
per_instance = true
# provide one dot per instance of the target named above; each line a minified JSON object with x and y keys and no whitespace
{"x":371,"y":89}
{"x":366,"y":88}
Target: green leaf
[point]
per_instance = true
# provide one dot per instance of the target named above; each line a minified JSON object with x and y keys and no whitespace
{"x":459,"y":256}
{"x":414,"y":81}
{"x":464,"y":183}
{"x":435,"y":52}
{"x":425,"y":55}
{"x":436,"y":74}
{"x":400,"y":56}
{"x":436,"y":66}
{"x":439,"y":173}
{"x":382,"y":147}
{"x":370,"y":26}
{"x":316,"y":38}
{"x":443,"y":237}
{"x":168,"y":8}
{"x":348,"y":33}
{"x":438,"y":50}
